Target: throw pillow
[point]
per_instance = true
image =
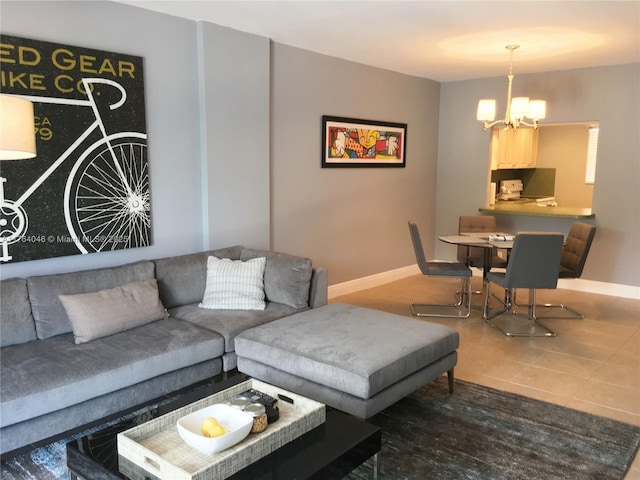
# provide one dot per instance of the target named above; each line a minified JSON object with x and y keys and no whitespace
{"x":98,"y":314}
{"x":234,"y":285}
{"x":16,"y":322}
{"x":287,"y":278}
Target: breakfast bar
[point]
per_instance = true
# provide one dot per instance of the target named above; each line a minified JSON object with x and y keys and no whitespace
{"x":516,"y":208}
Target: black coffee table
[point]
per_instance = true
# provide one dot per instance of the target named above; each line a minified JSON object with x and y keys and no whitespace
{"x":329,"y":451}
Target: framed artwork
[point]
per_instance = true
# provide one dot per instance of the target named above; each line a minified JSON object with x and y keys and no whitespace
{"x":87,"y":189}
{"x":352,"y":142}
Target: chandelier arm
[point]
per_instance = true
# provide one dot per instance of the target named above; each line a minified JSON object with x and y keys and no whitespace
{"x":528,"y":124}
{"x":486,"y":124}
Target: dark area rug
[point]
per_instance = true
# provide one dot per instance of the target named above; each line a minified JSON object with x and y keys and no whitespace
{"x":48,"y":462}
{"x":480,"y":433}
{"x":477,"y":433}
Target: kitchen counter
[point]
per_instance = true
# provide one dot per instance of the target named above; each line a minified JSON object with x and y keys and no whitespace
{"x":520,"y":208}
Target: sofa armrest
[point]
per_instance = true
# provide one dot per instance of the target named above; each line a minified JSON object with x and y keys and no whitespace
{"x":319,"y":289}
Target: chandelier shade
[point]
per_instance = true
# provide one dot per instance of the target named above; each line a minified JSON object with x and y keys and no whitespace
{"x":537,"y":109}
{"x":17,"y":128}
{"x":487,"y":109}
{"x":517,"y":108}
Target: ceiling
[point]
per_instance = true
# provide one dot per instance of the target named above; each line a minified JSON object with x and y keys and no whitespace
{"x":441,"y":40}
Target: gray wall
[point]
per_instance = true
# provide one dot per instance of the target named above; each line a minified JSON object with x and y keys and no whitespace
{"x":235,"y":127}
{"x":351,"y":221}
{"x":216,"y":106}
{"x":609,"y":95}
{"x":169,"y":47}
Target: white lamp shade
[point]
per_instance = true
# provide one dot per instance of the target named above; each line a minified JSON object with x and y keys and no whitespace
{"x":17,"y":128}
{"x":519,"y":107}
{"x":486,"y":110}
{"x":537,"y":109}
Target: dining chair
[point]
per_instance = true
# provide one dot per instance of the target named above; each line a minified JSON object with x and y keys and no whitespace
{"x":574,"y":256}
{"x":475,"y":256}
{"x":437,"y":268}
{"x":534,"y":263}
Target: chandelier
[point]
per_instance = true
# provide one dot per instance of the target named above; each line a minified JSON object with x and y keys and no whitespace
{"x":517,"y":108}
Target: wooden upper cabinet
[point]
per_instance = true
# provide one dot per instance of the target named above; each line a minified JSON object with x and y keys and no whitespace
{"x":514,"y":148}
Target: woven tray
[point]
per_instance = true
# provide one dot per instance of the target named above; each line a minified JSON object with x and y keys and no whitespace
{"x":155,"y":449}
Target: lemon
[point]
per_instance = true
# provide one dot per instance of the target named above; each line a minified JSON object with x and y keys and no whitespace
{"x":208,"y":424}
{"x":216,"y":431}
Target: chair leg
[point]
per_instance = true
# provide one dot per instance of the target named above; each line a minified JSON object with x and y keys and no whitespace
{"x":416,"y":307}
{"x":461,"y":294}
{"x":575,"y":314}
{"x":487,"y":298}
{"x":514,"y":324}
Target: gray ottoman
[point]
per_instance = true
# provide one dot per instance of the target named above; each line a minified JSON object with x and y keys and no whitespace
{"x":354,"y":359}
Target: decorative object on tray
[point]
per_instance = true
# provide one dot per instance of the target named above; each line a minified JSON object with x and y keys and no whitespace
{"x":500,"y":237}
{"x":236,"y":422}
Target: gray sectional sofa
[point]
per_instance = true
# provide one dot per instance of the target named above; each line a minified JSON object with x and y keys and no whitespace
{"x":50,"y":383}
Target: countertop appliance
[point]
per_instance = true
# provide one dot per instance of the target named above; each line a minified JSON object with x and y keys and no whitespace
{"x":510,"y":189}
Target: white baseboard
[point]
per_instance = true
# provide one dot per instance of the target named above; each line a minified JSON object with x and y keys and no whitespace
{"x":578,"y":284}
{"x":601,"y":288}
{"x":372,"y":281}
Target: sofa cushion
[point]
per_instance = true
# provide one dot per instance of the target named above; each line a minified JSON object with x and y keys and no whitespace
{"x":47,"y":375}
{"x":234,"y":284}
{"x":44,"y":291}
{"x":173,"y":272}
{"x":98,"y":314}
{"x":16,"y":321}
{"x":230,"y":323}
{"x":287,"y":278}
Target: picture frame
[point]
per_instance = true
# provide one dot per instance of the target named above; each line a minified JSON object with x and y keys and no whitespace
{"x":358,"y":143}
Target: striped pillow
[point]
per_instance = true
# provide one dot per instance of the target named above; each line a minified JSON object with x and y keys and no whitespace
{"x":234,"y":285}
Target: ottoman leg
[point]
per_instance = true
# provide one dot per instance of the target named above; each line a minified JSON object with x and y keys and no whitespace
{"x":450,"y":378}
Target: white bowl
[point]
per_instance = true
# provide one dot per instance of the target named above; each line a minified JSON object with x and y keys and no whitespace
{"x":238,"y":424}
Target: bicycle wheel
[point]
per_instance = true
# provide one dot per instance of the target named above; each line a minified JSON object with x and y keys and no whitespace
{"x":106,"y":200}
{"x":13,"y":222}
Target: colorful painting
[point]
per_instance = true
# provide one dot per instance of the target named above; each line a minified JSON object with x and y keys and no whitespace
{"x":351,"y":142}
{"x":87,"y":189}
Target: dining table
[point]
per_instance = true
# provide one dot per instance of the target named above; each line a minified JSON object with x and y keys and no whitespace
{"x":488,"y":241}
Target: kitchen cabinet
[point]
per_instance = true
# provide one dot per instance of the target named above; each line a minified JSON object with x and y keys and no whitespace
{"x":514,"y":148}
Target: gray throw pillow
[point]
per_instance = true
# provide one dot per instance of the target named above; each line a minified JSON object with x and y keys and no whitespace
{"x":16,"y":322}
{"x":287,"y":278}
{"x":98,"y":314}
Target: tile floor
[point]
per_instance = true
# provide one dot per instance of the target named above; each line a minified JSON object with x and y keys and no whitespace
{"x":591,"y":365}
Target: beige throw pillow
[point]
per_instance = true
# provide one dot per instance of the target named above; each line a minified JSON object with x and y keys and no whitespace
{"x":98,"y":314}
{"x":234,"y":285}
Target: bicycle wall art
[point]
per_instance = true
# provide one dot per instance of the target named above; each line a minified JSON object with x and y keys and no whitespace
{"x":87,"y":190}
